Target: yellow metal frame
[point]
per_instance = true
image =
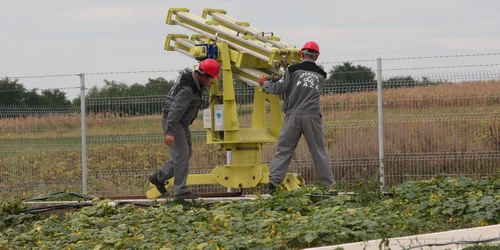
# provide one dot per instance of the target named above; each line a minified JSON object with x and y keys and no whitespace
{"x":244,"y":53}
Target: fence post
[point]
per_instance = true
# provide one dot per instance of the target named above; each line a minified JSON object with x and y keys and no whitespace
{"x":84,"y":133}
{"x":380,"y":122}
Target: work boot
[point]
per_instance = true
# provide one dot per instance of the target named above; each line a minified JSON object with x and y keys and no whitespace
{"x":270,"y":188}
{"x":160,"y":186}
{"x":331,"y":192}
{"x":188,"y":195}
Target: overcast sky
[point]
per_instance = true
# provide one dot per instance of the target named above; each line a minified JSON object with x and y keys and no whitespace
{"x":66,"y":37}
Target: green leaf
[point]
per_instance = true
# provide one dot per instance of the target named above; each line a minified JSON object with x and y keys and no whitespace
{"x":310,"y":236}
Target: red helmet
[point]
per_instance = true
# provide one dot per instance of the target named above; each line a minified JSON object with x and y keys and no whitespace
{"x":312,"y":45}
{"x":211,"y":67}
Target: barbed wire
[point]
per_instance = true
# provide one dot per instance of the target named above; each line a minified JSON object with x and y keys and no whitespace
{"x":340,"y":62}
{"x":484,"y":75}
{"x":320,"y":63}
{"x":94,"y":73}
{"x":417,"y":68}
{"x":413,"y":58}
{"x":20,"y":90}
{"x":445,"y":67}
{"x":443,"y":56}
{"x":133,"y":72}
{"x":41,"y":76}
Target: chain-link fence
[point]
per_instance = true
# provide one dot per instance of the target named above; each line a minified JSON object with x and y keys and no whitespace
{"x":436,"y":120}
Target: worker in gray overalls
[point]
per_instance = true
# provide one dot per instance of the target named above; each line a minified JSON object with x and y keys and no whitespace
{"x":179,"y":111}
{"x":301,"y":85}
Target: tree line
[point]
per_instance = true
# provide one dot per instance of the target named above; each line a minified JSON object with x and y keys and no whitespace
{"x":342,"y":78}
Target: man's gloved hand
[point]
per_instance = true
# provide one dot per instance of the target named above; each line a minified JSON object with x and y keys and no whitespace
{"x":262,"y":79}
{"x":169,"y":140}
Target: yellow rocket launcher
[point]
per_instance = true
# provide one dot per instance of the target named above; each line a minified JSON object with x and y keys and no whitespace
{"x":244,"y":53}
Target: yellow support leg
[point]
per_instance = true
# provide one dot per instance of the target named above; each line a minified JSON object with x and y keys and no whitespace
{"x":293,"y":181}
{"x":232,"y":176}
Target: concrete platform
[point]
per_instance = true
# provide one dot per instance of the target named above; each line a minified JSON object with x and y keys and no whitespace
{"x":418,"y":241}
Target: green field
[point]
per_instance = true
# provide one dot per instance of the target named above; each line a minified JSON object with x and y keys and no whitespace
{"x":288,"y":220}
{"x":446,"y":129}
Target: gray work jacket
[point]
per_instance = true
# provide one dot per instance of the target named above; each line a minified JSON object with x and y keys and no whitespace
{"x":302,"y":84}
{"x":182,"y":103}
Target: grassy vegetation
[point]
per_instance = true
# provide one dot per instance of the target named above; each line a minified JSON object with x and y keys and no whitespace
{"x":287,"y":220}
{"x":449,"y":128}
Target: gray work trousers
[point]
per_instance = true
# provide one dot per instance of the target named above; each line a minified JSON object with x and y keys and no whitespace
{"x":294,"y":125}
{"x":178,"y":164}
